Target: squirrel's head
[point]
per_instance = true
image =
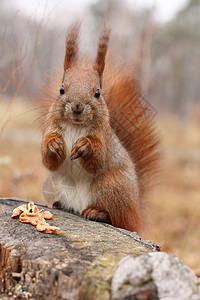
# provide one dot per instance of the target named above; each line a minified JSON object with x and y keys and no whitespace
{"x":81,"y":94}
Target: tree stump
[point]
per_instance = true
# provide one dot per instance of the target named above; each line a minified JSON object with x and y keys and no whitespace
{"x":77,"y":264}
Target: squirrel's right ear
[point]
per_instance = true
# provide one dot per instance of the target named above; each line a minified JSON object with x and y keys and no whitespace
{"x":102,"y":48}
{"x":71,"y":49}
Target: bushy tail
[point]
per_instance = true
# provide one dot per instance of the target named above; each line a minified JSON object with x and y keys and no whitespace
{"x":131,"y":117}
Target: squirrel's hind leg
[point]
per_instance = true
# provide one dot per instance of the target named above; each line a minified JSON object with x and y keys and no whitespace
{"x":117,"y":197}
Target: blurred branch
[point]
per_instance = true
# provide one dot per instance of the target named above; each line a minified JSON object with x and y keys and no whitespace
{"x":22,"y":60}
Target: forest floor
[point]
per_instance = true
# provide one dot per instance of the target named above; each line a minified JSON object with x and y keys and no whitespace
{"x":174,"y":208}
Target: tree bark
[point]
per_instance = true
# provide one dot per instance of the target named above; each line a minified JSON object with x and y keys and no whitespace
{"x":77,"y":264}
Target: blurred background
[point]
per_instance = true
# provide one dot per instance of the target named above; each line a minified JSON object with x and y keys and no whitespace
{"x":161,"y":39}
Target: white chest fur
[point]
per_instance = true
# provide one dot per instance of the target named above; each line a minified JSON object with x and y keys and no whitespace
{"x":71,"y":182}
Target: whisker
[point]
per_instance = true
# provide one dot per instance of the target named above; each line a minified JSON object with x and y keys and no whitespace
{"x":31,"y":110}
{"x":44,"y":115}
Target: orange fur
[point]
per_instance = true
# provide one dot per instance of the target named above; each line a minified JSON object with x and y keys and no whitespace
{"x":55,"y":155}
{"x":132,"y":120}
{"x":98,"y":156}
{"x":71,"y":53}
{"x":124,"y":211}
{"x":102,"y":48}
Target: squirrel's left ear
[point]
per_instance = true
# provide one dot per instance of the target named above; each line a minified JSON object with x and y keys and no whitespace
{"x":102,"y":48}
{"x":71,"y":52}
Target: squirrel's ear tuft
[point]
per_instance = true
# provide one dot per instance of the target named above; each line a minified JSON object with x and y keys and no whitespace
{"x":102,"y":48}
{"x":71,"y":52}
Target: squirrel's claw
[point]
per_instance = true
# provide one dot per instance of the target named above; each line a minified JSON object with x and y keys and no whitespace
{"x":94,"y":214}
{"x":81,"y":148}
{"x":56,"y":148}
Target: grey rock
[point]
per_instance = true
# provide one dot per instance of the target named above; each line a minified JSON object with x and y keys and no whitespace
{"x":154,"y":276}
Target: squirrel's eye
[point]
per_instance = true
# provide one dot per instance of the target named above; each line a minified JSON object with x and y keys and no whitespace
{"x":62,"y":90}
{"x":97,"y":93}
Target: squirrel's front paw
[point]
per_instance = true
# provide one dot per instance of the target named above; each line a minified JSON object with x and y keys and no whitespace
{"x":82,"y":148}
{"x":53,"y":152}
{"x":56,"y":148}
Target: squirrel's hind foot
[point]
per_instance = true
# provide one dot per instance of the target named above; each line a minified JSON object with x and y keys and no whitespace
{"x":95,"y":214}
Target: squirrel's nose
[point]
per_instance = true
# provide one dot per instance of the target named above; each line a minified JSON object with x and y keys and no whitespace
{"x":77,"y":108}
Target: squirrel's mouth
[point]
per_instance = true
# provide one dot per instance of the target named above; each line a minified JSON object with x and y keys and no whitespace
{"x":77,"y":120}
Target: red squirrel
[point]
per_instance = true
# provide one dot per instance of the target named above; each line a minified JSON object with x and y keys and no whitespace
{"x":99,"y":135}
